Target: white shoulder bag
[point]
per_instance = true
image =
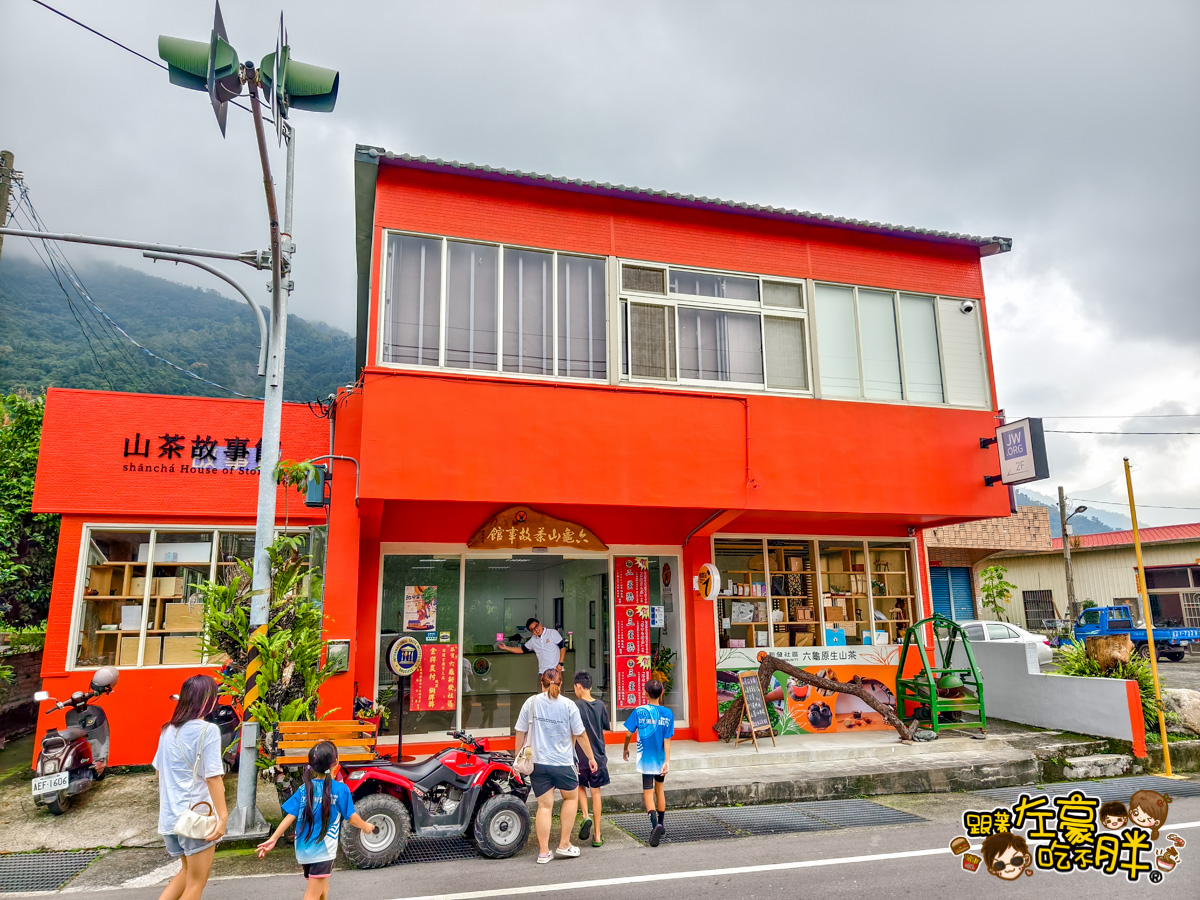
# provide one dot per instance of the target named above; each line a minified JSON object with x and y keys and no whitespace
{"x":523,"y":765}
{"x":191,"y":823}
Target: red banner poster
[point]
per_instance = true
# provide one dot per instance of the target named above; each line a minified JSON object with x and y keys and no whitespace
{"x":435,"y":683}
{"x":631,"y":596}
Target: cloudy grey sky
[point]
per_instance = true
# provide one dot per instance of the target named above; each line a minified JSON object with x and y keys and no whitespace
{"x":1072,"y":127}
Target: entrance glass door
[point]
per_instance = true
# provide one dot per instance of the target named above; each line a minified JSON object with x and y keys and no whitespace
{"x":500,"y":595}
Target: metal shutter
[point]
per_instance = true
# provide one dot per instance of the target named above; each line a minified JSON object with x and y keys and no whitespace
{"x":961,"y":593}
{"x":939,"y":585}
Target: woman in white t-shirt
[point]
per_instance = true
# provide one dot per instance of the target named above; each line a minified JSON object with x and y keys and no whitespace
{"x":551,"y":723}
{"x":190,"y":771}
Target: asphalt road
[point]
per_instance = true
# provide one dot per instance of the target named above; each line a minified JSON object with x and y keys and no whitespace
{"x":1184,"y":674}
{"x":883,"y":862}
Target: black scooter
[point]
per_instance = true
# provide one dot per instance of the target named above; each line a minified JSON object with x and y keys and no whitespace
{"x":229,"y":724}
{"x":73,"y":757}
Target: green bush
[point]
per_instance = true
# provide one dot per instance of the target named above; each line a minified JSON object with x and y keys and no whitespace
{"x":1072,"y":659}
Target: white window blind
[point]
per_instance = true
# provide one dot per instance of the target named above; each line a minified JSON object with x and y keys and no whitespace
{"x":720,"y":346}
{"x":472,"y":293}
{"x":837,"y":341}
{"x":528,"y":312}
{"x":412,"y":300}
{"x":962,"y":345}
{"x":787,"y":362}
{"x":582,"y":338}
{"x":880,"y":350}
{"x":922,"y":362}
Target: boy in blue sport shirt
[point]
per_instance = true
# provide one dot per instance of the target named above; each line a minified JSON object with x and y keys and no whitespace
{"x":654,"y":726}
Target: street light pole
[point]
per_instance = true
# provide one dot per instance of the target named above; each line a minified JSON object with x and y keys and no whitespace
{"x":1072,"y":610}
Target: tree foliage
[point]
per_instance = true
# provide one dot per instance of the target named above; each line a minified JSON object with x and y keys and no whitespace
{"x":995,"y":592}
{"x":1072,"y":659}
{"x":28,"y":541}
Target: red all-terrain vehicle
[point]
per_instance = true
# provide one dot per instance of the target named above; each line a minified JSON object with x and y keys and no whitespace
{"x":466,"y":790}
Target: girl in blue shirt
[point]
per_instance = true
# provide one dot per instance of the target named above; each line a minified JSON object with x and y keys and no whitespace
{"x":320,"y":807}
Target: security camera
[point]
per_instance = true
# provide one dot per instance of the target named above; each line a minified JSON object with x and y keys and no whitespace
{"x":966,"y":307}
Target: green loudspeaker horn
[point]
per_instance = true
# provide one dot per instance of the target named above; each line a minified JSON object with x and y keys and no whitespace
{"x":212,"y":67}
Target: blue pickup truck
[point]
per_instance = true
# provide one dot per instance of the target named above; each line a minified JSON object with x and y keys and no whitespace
{"x":1101,"y":621}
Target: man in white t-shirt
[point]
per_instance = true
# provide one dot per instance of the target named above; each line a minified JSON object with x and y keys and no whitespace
{"x":544,"y":643}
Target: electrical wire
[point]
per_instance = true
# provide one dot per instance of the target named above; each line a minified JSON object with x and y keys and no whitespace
{"x":87,"y":297}
{"x":1057,"y":431}
{"x":1134,"y":416}
{"x":152,"y":62}
{"x":1126,"y":504}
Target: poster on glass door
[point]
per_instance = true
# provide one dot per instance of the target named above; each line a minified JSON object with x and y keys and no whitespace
{"x":631,"y":605}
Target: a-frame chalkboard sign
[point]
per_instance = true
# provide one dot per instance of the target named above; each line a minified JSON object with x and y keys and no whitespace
{"x":754,"y":708}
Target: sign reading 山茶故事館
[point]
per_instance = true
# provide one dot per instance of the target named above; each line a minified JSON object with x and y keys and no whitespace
{"x":522,"y":528}
{"x":1021,"y":446}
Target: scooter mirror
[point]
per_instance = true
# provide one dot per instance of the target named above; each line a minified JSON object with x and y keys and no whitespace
{"x":41,"y":696}
{"x":105,"y":679}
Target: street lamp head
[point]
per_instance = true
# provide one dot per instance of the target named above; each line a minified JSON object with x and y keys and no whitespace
{"x":1079,"y":509}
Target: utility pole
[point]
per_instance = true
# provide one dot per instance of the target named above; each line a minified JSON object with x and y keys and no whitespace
{"x":1072,"y":607}
{"x":6,"y":173}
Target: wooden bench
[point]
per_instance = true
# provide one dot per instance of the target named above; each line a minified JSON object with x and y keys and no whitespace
{"x":355,"y":740}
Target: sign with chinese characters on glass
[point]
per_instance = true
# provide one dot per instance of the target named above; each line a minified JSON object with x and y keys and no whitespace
{"x":631,"y":604}
{"x":435,"y":683}
{"x":522,"y":528}
{"x":170,"y":451}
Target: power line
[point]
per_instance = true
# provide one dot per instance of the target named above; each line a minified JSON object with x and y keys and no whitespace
{"x":1057,"y":431}
{"x":1126,"y":504}
{"x":100,"y":34}
{"x":1134,"y":416}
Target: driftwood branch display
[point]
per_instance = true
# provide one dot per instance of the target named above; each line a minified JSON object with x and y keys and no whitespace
{"x":729,"y":723}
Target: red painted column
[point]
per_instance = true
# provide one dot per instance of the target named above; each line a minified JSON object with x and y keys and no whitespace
{"x":701,"y":644}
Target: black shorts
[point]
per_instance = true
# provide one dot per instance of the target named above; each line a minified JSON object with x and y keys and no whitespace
{"x":648,"y":781}
{"x":318,"y":870}
{"x":547,"y":778}
{"x":588,"y":778}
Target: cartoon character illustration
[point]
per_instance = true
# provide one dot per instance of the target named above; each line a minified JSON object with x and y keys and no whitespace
{"x":1006,"y":855}
{"x":1167,"y":859}
{"x":1149,"y":810}
{"x":1113,"y":815}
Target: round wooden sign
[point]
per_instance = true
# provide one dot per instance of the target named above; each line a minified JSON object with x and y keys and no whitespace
{"x":708,"y":582}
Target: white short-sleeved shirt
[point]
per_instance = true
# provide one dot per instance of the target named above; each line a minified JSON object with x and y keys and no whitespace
{"x":181,"y":780}
{"x":545,"y":646}
{"x":552,"y":726}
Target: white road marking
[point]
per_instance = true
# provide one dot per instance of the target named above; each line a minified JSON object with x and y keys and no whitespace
{"x":155,"y":876}
{"x":705,"y":873}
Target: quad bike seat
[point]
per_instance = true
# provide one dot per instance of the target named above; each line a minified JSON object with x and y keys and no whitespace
{"x":417,"y":771}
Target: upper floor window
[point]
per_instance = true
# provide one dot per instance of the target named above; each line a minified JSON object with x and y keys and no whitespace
{"x":488,"y":307}
{"x":891,"y":345}
{"x":709,"y":327}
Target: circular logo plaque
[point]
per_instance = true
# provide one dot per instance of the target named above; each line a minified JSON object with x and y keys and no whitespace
{"x":404,"y":655}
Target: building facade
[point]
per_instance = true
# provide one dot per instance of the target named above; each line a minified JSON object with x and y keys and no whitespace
{"x":573,"y":397}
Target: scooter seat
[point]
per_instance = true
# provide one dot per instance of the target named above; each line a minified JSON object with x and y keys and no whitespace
{"x":72,"y":733}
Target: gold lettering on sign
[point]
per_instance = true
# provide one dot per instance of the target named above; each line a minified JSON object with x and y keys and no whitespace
{"x":522,"y":528}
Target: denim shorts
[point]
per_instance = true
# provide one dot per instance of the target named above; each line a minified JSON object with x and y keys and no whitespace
{"x":178,"y":846}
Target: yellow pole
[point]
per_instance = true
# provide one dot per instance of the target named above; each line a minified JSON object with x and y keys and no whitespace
{"x":1148,"y":620}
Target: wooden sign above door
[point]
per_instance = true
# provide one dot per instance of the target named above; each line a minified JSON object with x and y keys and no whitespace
{"x":522,"y":528}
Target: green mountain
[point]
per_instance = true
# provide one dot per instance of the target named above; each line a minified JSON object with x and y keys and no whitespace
{"x":44,"y":340}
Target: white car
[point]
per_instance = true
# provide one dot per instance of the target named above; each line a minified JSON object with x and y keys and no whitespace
{"x":983,"y":630}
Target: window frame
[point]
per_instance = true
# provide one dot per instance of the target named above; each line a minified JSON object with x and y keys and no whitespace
{"x":673,"y":302}
{"x":443,"y":306}
{"x":79,"y":598}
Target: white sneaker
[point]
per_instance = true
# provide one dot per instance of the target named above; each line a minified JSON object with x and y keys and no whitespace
{"x":569,"y":853}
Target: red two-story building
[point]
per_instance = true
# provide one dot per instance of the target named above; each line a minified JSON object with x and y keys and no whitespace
{"x":572,"y":396}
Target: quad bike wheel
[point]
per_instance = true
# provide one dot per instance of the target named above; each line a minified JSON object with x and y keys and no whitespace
{"x":60,"y":804}
{"x":383,"y":846}
{"x":501,"y":826}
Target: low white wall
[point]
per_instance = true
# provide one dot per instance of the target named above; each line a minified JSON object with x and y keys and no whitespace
{"x":1015,"y":689}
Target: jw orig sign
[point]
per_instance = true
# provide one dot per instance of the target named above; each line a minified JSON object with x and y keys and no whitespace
{"x":522,"y":528}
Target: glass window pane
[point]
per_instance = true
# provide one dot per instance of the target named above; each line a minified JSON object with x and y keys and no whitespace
{"x":471,"y":306}
{"x":411,"y":300}
{"x":922,"y":364}
{"x":431,"y":585}
{"x":110,"y":615}
{"x":837,"y":342}
{"x":881,"y":353}
{"x":742,"y":603}
{"x":846,"y":607}
{"x":720,"y":346}
{"x":787,"y":354}
{"x":708,"y":284}
{"x":643,"y":279}
{"x":528,"y":314}
{"x":182,"y":560}
{"x":1167,"y":578}
{"x":892,"y":582}
{"x":652,"y":341}
{"x":781,"y":293}
{"x":793,"y":586}
{"x":582,"y":335}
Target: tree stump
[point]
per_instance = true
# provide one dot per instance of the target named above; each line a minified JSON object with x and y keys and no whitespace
{"x":1109,"y":651}
{"x":727,"y":726}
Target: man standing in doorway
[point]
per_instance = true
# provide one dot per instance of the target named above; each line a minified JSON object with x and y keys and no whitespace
{"x":544,"y":643}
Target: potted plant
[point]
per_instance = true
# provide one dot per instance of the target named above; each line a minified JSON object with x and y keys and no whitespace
{"x":662,"y":664}
{"x":378,"y":713}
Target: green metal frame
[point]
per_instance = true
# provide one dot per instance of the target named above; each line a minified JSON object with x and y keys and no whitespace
{"x":921,"y":689}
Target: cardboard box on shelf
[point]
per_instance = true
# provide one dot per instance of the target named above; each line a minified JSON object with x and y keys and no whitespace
{"x":127,"y":655}
{"x":182,"y":615}
{"x":181,"y":651}
{"x":131,"y":617}
{"x":137,"y":586}
{"x":851,"y":628}
{"x":834,"y":614}
{"x":168,"y":587}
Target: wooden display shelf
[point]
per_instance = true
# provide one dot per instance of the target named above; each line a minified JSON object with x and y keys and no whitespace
{"x":893,"y":596}
{"x":135,"y":632}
